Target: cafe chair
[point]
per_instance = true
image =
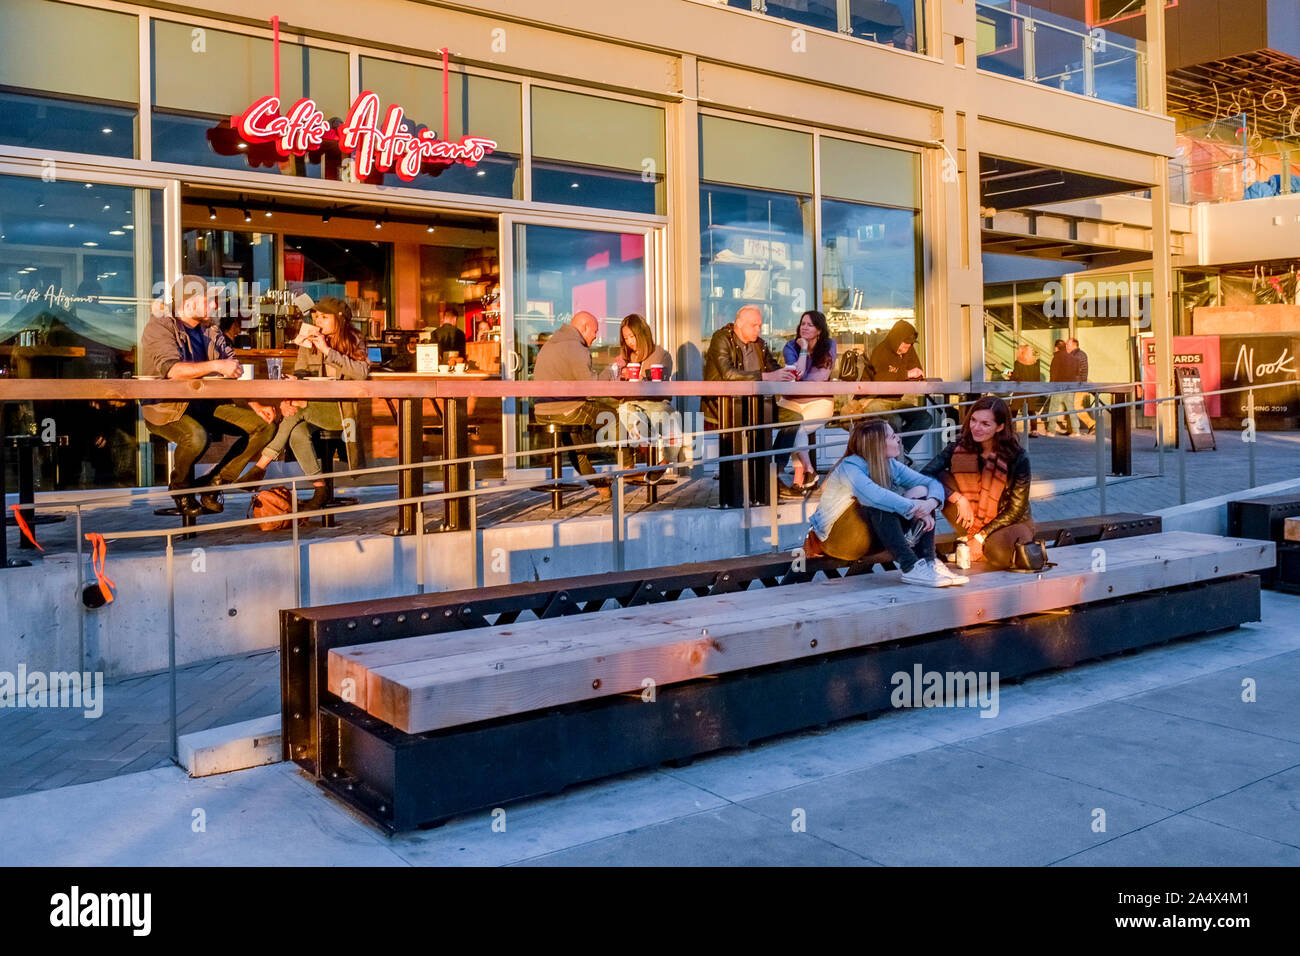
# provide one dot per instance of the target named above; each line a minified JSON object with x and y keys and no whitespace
{"x":559,"y":436}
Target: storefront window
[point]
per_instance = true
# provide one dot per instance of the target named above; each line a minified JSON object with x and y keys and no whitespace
{"x":79,"y":95}
{"x":592,"y":151}
{"x":871,"y":240}
{"x":239,"y":264}
{"x":893,"y":22}
{"x":756,"y":236}
{"x":478,"y":106}
{"x":357,"y":271}
{"x":76,"y":280}
{"x":202,"y":77}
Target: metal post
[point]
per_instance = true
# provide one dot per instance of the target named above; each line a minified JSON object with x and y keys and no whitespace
{"x":473,"y":525}
{"x":81,"y":586}
{"x":773,"y":502}
{"x":171,"y":647}
{"x":419,"y":547}
{"x":297,"y":549}
{"x":616,"y":515}
{"x":744,"y":487}
{"x":1100,"y":419}
{"x":1160,"y":442}
{"x":1182,"y":459}
{"x":1254,"y":434}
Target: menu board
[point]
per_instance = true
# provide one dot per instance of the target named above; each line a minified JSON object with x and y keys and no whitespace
{"x":1200,"y":432}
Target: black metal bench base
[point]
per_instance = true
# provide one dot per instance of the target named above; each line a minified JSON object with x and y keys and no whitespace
{"x":403,"y":781}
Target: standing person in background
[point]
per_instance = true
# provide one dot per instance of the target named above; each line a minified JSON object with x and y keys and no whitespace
{"x":1061,"y":371}
{"x":813,"y":353}
{"x":1027,"y":370}
{"x":448,"y":336}
{"x":1079,"y":369}
{"x":895,"y":360}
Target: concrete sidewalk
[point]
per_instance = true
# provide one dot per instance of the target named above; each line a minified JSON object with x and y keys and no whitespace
{"x":1158,"y":748}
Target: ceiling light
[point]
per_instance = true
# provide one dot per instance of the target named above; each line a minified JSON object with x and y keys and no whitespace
{"x":106,"y":130}
{"x":212,"y":212}
{"x":268,"y":214}
{"x":128,"y":226}
{"x":430,"y":229}
{"x":379,"y":223}
{"x":573,"y":185}
{"x":90,"y":185}
{"x":90,"y":243}
{"x":481,"y":173}
{"x":107,"y":207}
{"x":116,"y":232}
{"x":248,"y":216}
{"x":72,"y":225}
{"x":326,"y":215}
{"x":242,"y":146}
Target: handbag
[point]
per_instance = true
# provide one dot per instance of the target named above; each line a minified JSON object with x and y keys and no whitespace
{"x":812,"y":546}
{"x":1030,"y":557}
{"x":270,"y":504}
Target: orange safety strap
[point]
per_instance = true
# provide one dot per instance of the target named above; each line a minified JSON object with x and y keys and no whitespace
{"x":98,"y":559}
{"x":22,"y":525}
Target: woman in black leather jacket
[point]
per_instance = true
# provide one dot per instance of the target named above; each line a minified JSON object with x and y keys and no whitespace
{"x":985,"y":474}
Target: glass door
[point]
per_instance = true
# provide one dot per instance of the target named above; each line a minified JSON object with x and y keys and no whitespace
{"x":555,"y":271}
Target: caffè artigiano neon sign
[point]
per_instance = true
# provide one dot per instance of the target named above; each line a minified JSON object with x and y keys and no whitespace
{"x":387,"y":145}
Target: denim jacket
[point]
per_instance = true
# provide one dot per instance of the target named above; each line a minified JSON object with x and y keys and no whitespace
{"x":850,"y":479}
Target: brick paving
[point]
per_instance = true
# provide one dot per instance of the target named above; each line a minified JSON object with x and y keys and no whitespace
{"x":42,"y":749}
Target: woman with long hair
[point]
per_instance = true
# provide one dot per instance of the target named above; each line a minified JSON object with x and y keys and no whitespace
{"x":331,"y":348}
{"x":646,"y":420}
{"x":871,"y":500}
{"x":985,"y":475}
{"x":812,"y":354}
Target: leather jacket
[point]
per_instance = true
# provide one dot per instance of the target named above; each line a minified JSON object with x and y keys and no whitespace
{"x":1013,"y":506}
{"x":724,"y":362}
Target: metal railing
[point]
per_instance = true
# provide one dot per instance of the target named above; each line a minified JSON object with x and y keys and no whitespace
{"x":1026,"y":43}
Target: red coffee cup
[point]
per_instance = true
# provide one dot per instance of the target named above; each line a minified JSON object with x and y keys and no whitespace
{"x":633,"y":371}
{"x":656,"y":373}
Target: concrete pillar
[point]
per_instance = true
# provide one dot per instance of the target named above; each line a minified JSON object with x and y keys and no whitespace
{"x":1162,"y":321}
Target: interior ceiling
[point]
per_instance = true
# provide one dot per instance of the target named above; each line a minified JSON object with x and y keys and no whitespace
{"x":1263,"y":84}
{"x":311,"y":205}
{"x":1006,"y":184}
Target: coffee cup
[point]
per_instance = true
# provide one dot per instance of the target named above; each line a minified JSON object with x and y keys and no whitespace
{"x":656,"y":373}
{"x":444,"y":369}
{"x":246,"y":370}
{"x":460,"y":368}
{"x":633,"y":371}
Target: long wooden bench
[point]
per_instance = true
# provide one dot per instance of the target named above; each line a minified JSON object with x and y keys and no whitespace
{"x":418,"y":729}
{"x":308,"y":634}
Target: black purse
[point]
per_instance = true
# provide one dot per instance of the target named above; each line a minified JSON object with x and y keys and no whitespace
{"x":1030,"y":557}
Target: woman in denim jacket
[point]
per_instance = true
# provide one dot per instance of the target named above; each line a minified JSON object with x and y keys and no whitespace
{"x":872,"y":500}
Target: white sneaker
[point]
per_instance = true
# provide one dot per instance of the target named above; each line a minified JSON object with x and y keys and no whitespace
{"x":949,"y":573}
{"x":924,"y":575}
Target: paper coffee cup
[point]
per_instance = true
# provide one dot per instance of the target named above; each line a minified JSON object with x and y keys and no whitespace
{"x":633,"y":370}
{"x":247,"y":370}
{"x":656,"y":373}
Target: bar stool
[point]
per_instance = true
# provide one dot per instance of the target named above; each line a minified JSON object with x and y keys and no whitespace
{"x":329,"y":442}
{"x":187,"y":521}
{"x":559,"y":437}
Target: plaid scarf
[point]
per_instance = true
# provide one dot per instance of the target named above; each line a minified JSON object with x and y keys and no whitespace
{"x":981,"y":487}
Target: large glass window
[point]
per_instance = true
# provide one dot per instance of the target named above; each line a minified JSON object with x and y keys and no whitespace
{"x":77,"y":273}
{"x":871,"y":240}
{"x":897,"y":23}
{"x":69,"y":78}
{"x":202,"y":77}
{"x":357,"y":271}
{"x":592,"y":151}
{"x":477,"y":105}
{"x":756,"y":224}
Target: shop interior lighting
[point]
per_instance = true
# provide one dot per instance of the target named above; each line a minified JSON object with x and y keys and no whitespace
{"x":128,"y":226}
{"x":116,"y":232}
{"x":430,"y":229}
{"x":212,"y":212}
{"x":90,"y":243}
{"x":248,"y":216}
{"x":327,"y":215}
{"x":106,"y":130}
{"x":379,"y":223}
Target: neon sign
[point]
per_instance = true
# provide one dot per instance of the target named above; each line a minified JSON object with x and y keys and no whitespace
{"x":387,"y":146}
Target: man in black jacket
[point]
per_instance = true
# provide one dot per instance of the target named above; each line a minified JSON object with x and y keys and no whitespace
{"x":895,"y":360}
{"x":737,"y":353}
{"x":1079,"y":373}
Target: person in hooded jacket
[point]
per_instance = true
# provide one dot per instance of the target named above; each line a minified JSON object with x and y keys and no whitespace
{"x":895,"y":360}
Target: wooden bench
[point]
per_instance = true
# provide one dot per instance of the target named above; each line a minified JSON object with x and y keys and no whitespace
{"x":418,"y":729}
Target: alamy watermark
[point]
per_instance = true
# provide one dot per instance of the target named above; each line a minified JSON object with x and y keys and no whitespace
{"x":1101,"y":300}
{"x":75,"y":689}
{"x":922,"y":688}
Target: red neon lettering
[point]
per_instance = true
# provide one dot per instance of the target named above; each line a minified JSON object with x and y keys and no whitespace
{"x":392,"y":148}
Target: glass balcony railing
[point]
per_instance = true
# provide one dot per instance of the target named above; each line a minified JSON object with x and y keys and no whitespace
{"x":1017,"y":40}
{"x":896,"y":23}
{"x":1225,"y":162}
